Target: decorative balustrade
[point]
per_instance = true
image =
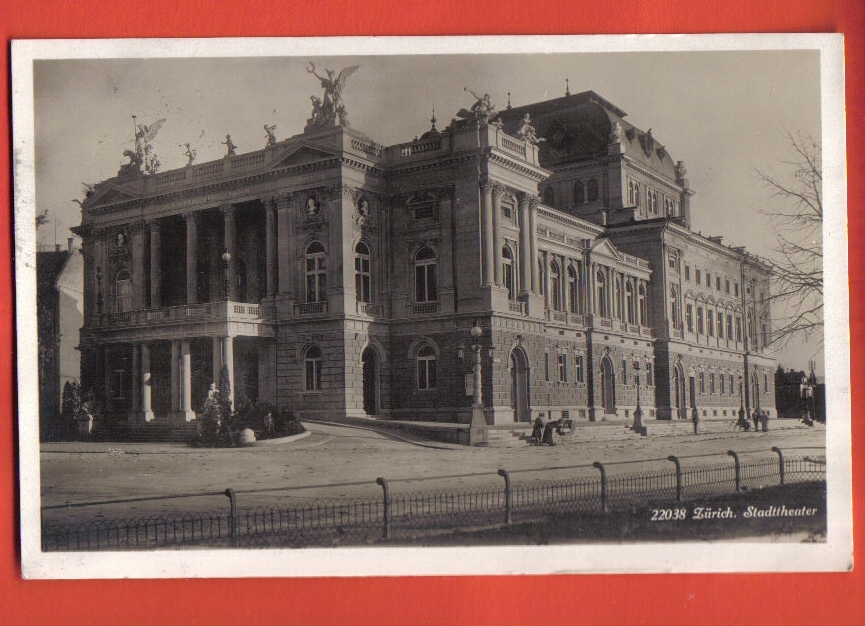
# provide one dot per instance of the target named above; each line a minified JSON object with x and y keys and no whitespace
{"x":516,"y":306}
{"x":513,"y":145}
{"x":207,"y":311}
{"x":559,"y":316}
{"x":249,"y":160}
{"x":369,"y":308}
{"x":210,"y":168}
{"x":425,"y":308}
{"x":416,"y":147}
{"x":170,"y":178}
{"x":310,"y":308}
{"x":372,"y":149}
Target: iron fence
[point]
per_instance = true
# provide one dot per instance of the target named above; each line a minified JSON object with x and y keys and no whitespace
{"x":394,"y":515}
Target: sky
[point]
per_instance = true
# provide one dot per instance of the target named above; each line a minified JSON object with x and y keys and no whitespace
{"x":725,"y":113}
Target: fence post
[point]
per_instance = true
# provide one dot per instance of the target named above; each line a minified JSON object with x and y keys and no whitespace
{"x":383,"y":483}
{"x":678,"y":477}
{"x":507,"y":477}
{"x":232,"y":520}
{"x":738,"y":475}
{"x":780,"y":462}
{"x":600,"y":466}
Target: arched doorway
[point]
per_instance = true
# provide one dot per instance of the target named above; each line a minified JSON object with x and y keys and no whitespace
{"x":679,"y":384}
{"x":608,"y":386}
{"x":370,"y":381}
{"x":519,"y":366}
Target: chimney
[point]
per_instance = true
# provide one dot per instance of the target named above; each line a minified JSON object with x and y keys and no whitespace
{"x":56,"y":247}
{"x":69,"y":244}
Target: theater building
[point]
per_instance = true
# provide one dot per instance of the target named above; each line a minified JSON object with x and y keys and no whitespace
{"x":340,"y":278}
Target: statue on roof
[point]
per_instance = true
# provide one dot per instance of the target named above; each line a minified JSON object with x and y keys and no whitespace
{"x":189,"y":154}
{"x":231,"y":149}
{"x":331,"y":109}
{"x":616,"y":132}
{"x":271,"y":134}
{"x":527,"y":132}
{"x":481,"y":111}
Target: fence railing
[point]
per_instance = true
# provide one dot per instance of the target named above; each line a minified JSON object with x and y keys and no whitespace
{"x":360,"y":521}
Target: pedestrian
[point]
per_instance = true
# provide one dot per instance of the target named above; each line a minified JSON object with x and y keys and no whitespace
{"x":695,"y":417}
{"x":756,"y":417}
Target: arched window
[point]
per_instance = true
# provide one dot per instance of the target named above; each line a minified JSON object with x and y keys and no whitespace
{"x":674,"y":307}
{"x":542,"y":275}
{"x":638,"y":200}
{"x":549,"y":196}
{"x":573,"y":289}
{"x":601,"y":299}
{"x":579,"y":193}
{"x":362,"y":276}
{"x":426,"y":281}
{"x":592,"y":188}
{"x":631,"y":200}
{"x":316,"y":272}
{"x":641,"y":305}
{"x":618,"y":309}
{"x":312,"y":369}
{"x":629,"y":302}
{"x":729,"y":326}
{"x":555,"y":292}
{"x":123,"y":291}
{"x":508,"y":272}
{"x":426,"y":367}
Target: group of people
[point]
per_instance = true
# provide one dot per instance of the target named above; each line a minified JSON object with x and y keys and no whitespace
{"x":543,"y":429}
{"x":758,"y":417}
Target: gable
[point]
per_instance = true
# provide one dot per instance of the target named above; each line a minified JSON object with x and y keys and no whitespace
{"x":604,"y":247}
{"x":301,"y":155}
{"x":109,"y":195}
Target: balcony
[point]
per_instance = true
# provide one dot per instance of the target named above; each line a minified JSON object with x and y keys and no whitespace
{"x":369,"y":308}
{"x":205,"y":312}
{"x":425,"y":308}
{"x":310,"y":308}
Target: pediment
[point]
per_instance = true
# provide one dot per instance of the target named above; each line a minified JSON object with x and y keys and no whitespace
{"x":604,"y":247}
{"x":109,"y":195}
{"x":302,"y":154}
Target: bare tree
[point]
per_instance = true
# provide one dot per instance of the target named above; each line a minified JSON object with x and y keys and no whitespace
{"x":797,"y":262}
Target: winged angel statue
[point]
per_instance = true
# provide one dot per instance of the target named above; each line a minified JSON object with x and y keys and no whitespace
{"x":143,"y":157}
{"x":329,"y":110}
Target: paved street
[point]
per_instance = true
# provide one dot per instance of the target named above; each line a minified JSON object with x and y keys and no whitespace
{"x":353,"y":458}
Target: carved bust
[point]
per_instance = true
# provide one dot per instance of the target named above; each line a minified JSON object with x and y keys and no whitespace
{"x":312,"y":206}
{"x":363,"y":206}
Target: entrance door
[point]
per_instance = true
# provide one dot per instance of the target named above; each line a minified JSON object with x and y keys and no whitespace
{"x":370,"y":381}
{"x":608,"y":386}
{"x":520,"y":386}
{"x":679,"y":383}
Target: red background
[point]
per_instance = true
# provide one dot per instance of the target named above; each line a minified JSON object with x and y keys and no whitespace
{"x":658,"y":599}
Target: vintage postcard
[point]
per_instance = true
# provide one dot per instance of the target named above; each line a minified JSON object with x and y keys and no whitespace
{"x":413,"y":306}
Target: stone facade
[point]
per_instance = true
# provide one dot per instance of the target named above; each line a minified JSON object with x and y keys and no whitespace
{"x":338,"y":277}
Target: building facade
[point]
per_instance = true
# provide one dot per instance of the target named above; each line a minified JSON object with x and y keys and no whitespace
{"x":339,"y":278}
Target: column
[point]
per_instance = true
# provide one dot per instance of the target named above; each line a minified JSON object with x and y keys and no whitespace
{"x":175,"y":376}
{"x":230,"y":246}
{"x":136,"y":389}
{"x":525,"y":246}
{"x":533,"y":239}
{"x":155,"y":265}
{"x":487,"y":232}
{"x":191,"y":258}
{"x":139,"y":297}
{"x":146,"y":384}
{"x":186,"y":381}
{"x":284,"y":247}
{"x":498,"y":191}
{"x":590,"y":286}
{"x":270,"y":247}
{"x":566,"y":285}
{"x":228,"y":359}
{"x":217,"y":359}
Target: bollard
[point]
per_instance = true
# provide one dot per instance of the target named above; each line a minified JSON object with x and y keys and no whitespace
{"x":383,"y":483}
{"x":507,"y":477}
{"x":738,"y":476}
{"x":604,"y":494}
{"x":232,"y":520}
{"x":678,"y":477}
{"x":780,"y":462}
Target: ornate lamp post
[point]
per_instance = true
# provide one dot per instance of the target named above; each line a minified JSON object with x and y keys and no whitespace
{"x":226,"y":259}
{"x":806,"y":393}
{"x":478,"y":428}
{"x":638,"y":412}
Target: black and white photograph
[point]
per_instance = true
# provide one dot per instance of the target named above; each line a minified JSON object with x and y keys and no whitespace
{"x":412,"y":306}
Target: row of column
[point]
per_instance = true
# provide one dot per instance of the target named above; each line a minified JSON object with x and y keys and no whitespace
{"x":230,"y":244}
{"x":181,"y":376}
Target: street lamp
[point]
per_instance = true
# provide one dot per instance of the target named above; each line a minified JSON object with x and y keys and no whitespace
{"x":806,"y":393}
{"x":638,"y":412}
{"x":226,"y":259}
{"x":478,"y":428}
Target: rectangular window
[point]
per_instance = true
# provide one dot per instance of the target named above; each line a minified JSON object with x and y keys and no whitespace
{"x":718,"y":283}
{"x":547,"y":367}
{"x":699,"y":320}
{"x":424,"y":211}
{"x":563,"y":372}
{"x":708,"y":280}
{"x":650,"y":378}
{"x":687,"y":272}
{"x":698,"y":276}
{"x":119,"y":385}
{"x":672,"y":263}
{"x":712,"y":382}
{"x":313,"y":374}
{"x":732,"y":390}
{"x":702,"y":382}
{"x":721,"y":381}
{"x":578,"y":368}
{"x":625,"y":371}
{"x":689,"y":314}
{"x":720,"y":325}
{"x":727,"y":285}
{"x":738,"y":328}
{"x":710,"y":324}
{"x":729,"y":326}
{"x":736,"y":289}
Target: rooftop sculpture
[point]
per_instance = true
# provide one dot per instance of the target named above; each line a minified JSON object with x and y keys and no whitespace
{"x":329,"y":110}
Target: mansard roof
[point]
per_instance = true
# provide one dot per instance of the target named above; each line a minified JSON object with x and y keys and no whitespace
{"x":578,"y":128}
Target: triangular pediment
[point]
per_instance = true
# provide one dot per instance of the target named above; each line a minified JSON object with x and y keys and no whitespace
{"x":605,"y":247}
{"x":109,"y":195}
{"x":302,"y":154}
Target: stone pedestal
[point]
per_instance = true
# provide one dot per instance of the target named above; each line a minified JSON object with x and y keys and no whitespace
{"x":478,"y":427}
